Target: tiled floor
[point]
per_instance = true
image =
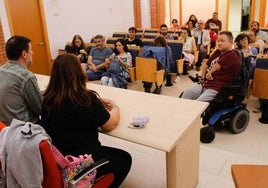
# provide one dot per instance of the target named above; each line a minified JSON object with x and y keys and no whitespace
{"x":216,"y":158}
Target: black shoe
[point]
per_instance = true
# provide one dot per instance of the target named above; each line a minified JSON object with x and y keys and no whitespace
{"x":147,"y":89}
{"x":194,"y":79}
{"x":157,"y":90}
{"x":168,"y":84}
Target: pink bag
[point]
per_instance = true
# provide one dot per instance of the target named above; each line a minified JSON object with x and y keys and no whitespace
{"x":72,"y":166}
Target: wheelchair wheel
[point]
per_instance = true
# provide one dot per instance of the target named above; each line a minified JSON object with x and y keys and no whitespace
{"x":207,"y":134}
{"x":240,"y":121}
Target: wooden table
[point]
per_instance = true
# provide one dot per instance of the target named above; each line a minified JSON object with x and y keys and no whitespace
{"x":249,"y":176}
{"x":173,"y":128}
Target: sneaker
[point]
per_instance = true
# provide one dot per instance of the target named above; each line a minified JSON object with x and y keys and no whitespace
{"x":177,"y":79}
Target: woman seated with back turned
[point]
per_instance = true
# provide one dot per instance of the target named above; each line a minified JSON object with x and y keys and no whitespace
{"x":72,"y":114}
{"x":168,"y":65}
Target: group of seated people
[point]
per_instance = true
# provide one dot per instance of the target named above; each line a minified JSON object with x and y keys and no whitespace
{"x":111,"y":66}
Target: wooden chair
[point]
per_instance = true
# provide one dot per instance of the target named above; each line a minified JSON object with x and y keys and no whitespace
{"x":249,"y":176}
{"x":140,"y":30}
{"x":260,"y":86}
{"x":61,"y":51}
{"x":265,"y":49}
{"x":122,"y":35}
{"x":150,"y":30}
{"x":139,"y":35}
{"x":176,"y":48}
{"x":146,"y":70}
{"x":149,"y":35}
{"x":111,"y":40}
{"x":135,"y":52}
{"x":147,"y":42}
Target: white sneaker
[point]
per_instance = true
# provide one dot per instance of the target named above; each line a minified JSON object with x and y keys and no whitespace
{"x":177,"y":79}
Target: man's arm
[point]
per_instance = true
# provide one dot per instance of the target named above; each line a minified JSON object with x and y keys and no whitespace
{"x":91,"y":65}
{"x":33,"y":95}
{"x":209,"y":74}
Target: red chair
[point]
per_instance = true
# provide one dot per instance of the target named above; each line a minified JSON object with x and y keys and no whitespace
{"x":52,"y":174}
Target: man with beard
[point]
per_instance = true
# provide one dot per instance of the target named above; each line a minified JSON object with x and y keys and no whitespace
{"x":98,"y":59}
{"x":255,"y":26}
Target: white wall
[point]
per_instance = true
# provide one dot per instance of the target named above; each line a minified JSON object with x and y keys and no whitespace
{"x":201,"y":9}
{"x":145,"y":14}
{"x":64,"y":18}
{"x":86,"y":17}
{"x":235,"y":12}
{"x":3,"y":16}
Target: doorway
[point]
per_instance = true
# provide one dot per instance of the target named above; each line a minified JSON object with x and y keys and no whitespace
{"x":246,"y":5}
{"x":26,"y":17}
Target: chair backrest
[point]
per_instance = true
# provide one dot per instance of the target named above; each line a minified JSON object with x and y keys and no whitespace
{"x":176,"y":48}
{"x":111,"y":40}
{"x":119,"y":35}
{"x":260,"y":84}
{"x":146,"y":70}
{"x":148,"y":42}
{"x":149,"y":35}
{"x":52,"y":175}
{"x":135,"y":52}
{"x":150,"y":30}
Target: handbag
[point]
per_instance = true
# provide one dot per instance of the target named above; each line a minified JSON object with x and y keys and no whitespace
{"x":116,"y":68}
{"x":71,"y":166}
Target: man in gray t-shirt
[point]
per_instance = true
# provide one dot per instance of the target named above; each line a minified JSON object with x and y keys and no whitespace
{"x":98,"y":59}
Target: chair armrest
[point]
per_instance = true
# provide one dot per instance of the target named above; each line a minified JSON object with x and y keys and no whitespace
{"x":132,"y":73}
{"x":159,"y":77}
{"x":179,"y":63}
{"x":81,"y":175}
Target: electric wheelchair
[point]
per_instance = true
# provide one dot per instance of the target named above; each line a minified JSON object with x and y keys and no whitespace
{"x":227,"y":108}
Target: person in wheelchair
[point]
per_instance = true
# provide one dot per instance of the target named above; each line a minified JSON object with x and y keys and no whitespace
{"x":226,"y":107}
{"x":218,"y":71}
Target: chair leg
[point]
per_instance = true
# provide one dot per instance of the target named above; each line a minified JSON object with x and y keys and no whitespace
{"x":168,"y":80}
{"x":147,"y":86}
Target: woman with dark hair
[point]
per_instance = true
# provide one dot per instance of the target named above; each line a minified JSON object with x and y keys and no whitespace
{"x":117,"y":74}
{"x":189,"y":46}
{"x":242,"y":43}
{"x":78,"y":48}
{"x":72,"y":114}
{"x":190,"y":24}
{"x":193,"y":18}
{"x":175,"y":26}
